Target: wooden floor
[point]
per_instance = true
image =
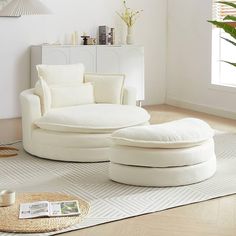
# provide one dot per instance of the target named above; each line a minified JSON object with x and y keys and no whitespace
{"x":212,"y":218}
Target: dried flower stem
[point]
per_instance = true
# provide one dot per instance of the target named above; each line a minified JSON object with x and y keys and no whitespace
{"x":129,"y":16}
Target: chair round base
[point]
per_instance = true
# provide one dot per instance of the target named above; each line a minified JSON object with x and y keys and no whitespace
{"x":69,"y":147}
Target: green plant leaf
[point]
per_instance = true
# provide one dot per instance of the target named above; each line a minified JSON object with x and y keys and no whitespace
{"x":227,"y":28}
{"x":231,"y":63}
{"x":233,"y":18}
{"x":230,"y":41}
{"x":228,"y":3}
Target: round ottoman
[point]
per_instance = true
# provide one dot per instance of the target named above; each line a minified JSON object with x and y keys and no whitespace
{"x":170,"y":154}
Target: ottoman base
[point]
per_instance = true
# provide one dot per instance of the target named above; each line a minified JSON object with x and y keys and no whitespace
{"x":162,"y":177}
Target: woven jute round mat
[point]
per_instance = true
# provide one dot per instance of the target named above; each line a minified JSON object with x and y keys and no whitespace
{"x":6,"y":151}
{"x":10,"y":222}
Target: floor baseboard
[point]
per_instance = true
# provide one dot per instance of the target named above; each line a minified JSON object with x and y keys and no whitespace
{"x":200,"y":108}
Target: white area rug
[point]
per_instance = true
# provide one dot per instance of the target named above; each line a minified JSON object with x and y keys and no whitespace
{"x":111,"y":201}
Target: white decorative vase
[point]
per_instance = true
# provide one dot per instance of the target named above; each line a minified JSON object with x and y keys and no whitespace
{"x":130,"y":35}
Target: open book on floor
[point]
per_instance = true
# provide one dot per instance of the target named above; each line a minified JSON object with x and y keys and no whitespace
{"x":49,"y":209}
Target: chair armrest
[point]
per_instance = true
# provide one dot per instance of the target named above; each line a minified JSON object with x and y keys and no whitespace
{"x":30,"y":111}
{"x":129,"y":96}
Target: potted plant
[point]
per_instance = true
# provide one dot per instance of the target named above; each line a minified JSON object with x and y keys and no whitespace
{"x":129,"y":16}
{"x":228,"y":25}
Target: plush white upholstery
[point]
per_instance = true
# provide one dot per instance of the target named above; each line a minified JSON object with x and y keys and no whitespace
{"x":93,"y":118}
{"x":162,"y":177}
{"x":107,"y":88}
{"x":187,"y":132}
{"x":171,"y":154}
{"x":75,"y":95}
{"x":60,"y":81}
{"x":44,"y":93}
{"x":30,"y":111}
{"x":64,"y":85}
{"x":75,"y":146}
{"x":68,"y":146}
{"x":72,"y":140}
{"x":159,"y":157}
{"x":61,"y":74}
{"x":129,"y":96}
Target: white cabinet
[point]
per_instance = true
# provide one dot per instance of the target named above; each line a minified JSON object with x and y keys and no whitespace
{"x":55,"y":55}
{"x":125,"y":59}
{"x":85,"y":55}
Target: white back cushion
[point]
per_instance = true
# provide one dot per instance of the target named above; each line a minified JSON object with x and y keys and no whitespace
{"x":64,"y":84}
{"x":61,"y":74}
{"x":107,"y":88}
{"x":63,"y":96}
{"x":43,"y":91}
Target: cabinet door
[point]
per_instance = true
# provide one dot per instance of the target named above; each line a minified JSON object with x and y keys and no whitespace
{"x":55,"y":55}
{"x":109,"y":60}
{"x":128,"y":60}
{"x":85,"y":55}
{"x":133,"y":67}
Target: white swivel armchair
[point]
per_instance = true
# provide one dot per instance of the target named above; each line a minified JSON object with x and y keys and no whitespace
{"x":69,"y":115}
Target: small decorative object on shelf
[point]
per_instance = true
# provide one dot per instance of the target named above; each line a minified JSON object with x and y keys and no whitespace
{"x":106,"y":35}
{"x":74,"y":38}
{"x":129,"y":16}
{"x":112,"y":37}
{"x":92,"y":41}
{"x":85,"y":39}
{"x":103,"y":34}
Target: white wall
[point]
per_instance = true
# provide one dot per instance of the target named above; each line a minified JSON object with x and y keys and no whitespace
{"x":189,"y":60}
{"x":17,"y":34}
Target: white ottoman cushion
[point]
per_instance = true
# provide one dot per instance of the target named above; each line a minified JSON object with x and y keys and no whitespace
{"x":183,"y":133}
{"x":150,"y":157}
{"x":93,"y":118}
{"x":162,"y":177}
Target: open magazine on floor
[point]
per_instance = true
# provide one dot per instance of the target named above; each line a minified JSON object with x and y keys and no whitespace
{"x":49,"y":209}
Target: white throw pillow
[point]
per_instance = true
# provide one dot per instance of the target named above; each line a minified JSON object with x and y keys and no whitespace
{"x":107,"y":88}
{"x":63,"y":96}
{"x":61,"y":74}
{"x":43,"y":91}
{"x":183,"y":133}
